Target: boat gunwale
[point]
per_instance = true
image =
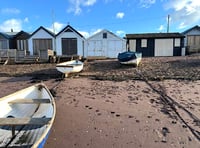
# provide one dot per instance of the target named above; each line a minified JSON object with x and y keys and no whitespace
{"x":50,"y":123}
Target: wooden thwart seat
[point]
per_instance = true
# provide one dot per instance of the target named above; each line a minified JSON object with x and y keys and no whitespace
{"x":69,"y":65}
{"x":29,"y":101}
{"x":65,"y":66}
{"x":22,"y":121}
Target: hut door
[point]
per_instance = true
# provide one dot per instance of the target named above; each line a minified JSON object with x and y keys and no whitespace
{"x":69,"y":46}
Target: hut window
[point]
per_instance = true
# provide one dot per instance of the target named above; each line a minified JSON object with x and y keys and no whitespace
{"x":144,"y":43}
{"x":177,"y":42}
{"x":22,"y":45}
{"x":3,"y":44}
{"x":104,"y":35}
{"x":132,"y":45}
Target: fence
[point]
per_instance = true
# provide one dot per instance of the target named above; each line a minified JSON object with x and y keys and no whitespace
{"x":7,"y":53}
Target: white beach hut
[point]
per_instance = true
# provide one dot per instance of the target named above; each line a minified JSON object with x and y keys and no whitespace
{"x":104,"y":44}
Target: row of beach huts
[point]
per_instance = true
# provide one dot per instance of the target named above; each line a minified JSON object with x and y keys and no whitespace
{"x":44,"y":46}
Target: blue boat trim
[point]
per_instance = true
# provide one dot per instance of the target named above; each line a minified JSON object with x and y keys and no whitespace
{"x":42,"y":143}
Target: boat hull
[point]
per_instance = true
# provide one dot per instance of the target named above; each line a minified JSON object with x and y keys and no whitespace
{"x":21,"y":105}
{"x":130,"y":58}
{"x":68,"y":67}
{"x":42,"y":143}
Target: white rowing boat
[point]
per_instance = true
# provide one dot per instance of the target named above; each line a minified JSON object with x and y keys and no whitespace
{"x":68,"y":67}
{"x":26,"y":117}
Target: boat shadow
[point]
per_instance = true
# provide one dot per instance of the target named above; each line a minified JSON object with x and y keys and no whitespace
{"x":33,"y":77}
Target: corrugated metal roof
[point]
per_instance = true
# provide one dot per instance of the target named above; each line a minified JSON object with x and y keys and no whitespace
{"x":155,"y":35}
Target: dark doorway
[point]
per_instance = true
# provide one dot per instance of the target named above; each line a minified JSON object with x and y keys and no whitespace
{"x":69,"y":46}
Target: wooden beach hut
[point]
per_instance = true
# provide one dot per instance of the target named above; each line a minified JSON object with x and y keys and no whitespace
{"x":21,"y":44}
{"x":192,"y":40}
{"x":156,"y":44}
{"x":105,"y":44}
{"x":7,"y":46}
{"x":69,"y":43}
{"x":41,"y":44}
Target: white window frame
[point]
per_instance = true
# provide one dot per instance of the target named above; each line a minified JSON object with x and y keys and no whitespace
{"x":144,"y":43}
{"x":177,"y":42}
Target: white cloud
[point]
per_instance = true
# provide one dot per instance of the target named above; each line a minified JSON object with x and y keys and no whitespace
{"x":147,"y":3}
{"x":14,"y":24}
{"x":120,"y":33}
{"x":10,"y":11}
{"x":182,"y":25}
{"x":161,"y":28}
{"x":84,"y":33}
{"x":120,"y":15}
{"x":56,"y":27}
{"x":88,"y":34}
{"x":26,"y":20}
{"x":59,"y":26}
{"x":185,"y":12}
{"x":95,"y":31}
{"x":89,"y":2}
{"x":76,"y":5}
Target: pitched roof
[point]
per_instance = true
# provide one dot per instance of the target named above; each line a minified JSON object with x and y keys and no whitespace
{"x":105,"y":30}
{"x":69,"y":28}
{"x":8,"y":35}
{"x":22,"y":33}
{"x":5,"y":35}
{"x":155,"y":35}
{"x":190,"y":29}
{"x":41,"y":27}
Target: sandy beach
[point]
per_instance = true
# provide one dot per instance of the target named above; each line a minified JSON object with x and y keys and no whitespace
{"x":111,"y":105}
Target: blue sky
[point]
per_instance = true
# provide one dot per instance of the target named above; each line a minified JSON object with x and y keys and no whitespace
{"x":90,"y":16}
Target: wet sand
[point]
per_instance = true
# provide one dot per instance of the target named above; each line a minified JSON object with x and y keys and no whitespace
{"x":111,"y":105}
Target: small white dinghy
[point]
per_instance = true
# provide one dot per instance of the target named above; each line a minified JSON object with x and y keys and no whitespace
{"x":68,"y":67}
{"x":26,"y":117}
